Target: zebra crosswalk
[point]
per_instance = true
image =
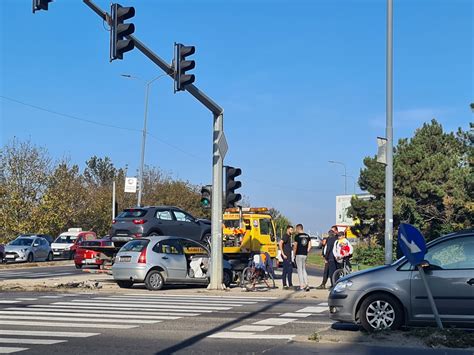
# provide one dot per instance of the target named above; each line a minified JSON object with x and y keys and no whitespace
{"x":49,"y":321}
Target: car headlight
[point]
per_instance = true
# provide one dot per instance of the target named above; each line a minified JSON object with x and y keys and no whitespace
{"x":342,"y":285}
{"x":67,"y":248}
{"x":23,"y":250}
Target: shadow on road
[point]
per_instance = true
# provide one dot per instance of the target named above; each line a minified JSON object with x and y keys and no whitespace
{"x":193,"y":340}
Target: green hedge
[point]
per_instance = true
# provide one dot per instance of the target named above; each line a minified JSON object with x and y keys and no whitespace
{"x":372,"y":255}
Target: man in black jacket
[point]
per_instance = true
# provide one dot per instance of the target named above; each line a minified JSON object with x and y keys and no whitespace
{"x":330,"y":263}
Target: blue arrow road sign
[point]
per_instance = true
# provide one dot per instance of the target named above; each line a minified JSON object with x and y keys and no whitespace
{"x":411,"y":243}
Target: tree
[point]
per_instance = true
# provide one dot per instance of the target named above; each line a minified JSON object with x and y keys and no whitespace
{"x":281,"y":221}
{"x":433,"y":184}
{"x":63,"y":201}
{"x":24,"y":171}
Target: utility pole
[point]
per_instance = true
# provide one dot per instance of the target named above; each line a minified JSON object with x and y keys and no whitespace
{"x":345,"y":173}
{"x":113,"y":200}
{"x":389,"y":136}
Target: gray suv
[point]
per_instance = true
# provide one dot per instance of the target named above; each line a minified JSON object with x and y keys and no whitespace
{"x":162,"y":220}
{"x":391,"y":296}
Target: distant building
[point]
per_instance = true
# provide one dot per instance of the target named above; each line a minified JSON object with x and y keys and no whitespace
{"x":343,"y":202}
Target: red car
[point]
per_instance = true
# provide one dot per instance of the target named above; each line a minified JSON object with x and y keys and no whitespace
{"x":85,"y":257}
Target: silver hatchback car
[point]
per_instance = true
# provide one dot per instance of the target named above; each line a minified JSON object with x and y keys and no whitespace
{"x":28,"y":248}
{"x":391,"y":296}
{"x":160,"y":260}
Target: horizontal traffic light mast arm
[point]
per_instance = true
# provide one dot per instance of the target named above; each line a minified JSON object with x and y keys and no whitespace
{"x":198,"y":94}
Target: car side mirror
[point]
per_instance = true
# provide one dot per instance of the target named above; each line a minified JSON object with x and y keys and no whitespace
{"x":36,"y":244}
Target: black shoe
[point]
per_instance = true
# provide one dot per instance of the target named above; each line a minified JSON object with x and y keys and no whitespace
{"x":306,"y":288}
{"x":321,"y":287}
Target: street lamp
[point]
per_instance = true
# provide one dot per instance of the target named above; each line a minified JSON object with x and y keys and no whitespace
{"x":142,"y":155}
{"x":345,"y":173}
{"x":352,"y":177}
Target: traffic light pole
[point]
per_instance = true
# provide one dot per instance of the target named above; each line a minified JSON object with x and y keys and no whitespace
{"x":217,"y":161}
{"x":216,"y":207}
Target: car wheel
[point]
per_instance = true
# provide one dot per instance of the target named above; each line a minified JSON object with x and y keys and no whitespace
{"x":207,"y":239}
{"x":30,"y":258}
{"x":124,"y":283}
{"x":227,"y":278}
{"x":339,"y":273}
{"x":154,"y":281}
{"x":50,"y":257}
{"x":379,"y":312}
{"x":78,"y":266}
{"x":153,"y":234}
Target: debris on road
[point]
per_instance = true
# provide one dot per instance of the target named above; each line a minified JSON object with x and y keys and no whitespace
{"x":82,"y":284}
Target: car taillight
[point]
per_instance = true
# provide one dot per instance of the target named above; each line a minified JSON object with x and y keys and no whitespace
{"x":138,"y":235}
{"x":139,"y":221}
{"x":114,"y":221}
{"x":142,"y":257}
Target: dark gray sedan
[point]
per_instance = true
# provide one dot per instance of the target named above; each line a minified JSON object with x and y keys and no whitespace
{"x":390,"y":296}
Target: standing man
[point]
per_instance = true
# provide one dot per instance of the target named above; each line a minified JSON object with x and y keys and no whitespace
{"x":329,"y":255}
{"x":285,"y":247}
{"x":326,"y":265}
{"x":301,"y":248}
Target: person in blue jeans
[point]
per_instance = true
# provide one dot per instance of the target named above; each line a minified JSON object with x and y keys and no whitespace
{"x":286,"y":250}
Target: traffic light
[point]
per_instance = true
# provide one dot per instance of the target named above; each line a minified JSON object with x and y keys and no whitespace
{"x":231,"y":198}
{"x":181,"y":66}
{"x":118,"y":30}
{"x":206,"y":194}
{"x":40,"y":5}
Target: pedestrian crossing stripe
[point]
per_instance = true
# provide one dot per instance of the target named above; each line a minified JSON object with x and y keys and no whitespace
{"x":104,"y":312}
{"x":122,"y":310}
{"x":53,"y":312}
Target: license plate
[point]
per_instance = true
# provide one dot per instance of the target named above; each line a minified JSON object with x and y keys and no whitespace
{"x":88,"y":261}
{"x":125,"y":259}
{"x":56,"y":253}
{"x":10,"y":256}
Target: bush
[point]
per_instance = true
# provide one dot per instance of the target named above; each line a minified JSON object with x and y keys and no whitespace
{"x":366,"y":254}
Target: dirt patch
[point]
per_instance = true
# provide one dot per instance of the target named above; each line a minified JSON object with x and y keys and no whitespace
{"x":411,"y":338}
{"x":449,"y":338}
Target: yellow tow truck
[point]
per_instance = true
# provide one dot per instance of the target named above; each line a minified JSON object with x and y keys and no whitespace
{"x":247,"y":231}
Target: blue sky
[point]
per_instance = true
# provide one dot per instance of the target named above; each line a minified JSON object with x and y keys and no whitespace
{"x":301,"y":83}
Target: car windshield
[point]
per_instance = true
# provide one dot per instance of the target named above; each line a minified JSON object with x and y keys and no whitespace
{"x":65,"y":239}
{"x":135,"y":245}
{"x":22,"y":242}
{"x":132,"y":213}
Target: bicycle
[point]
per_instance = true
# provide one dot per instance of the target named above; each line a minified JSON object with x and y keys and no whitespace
{"x":257,"y":279}
{"x":344,"y":271}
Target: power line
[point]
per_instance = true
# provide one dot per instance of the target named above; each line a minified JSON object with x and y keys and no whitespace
{"x":68,"y":116}
{"x":99,"y":124}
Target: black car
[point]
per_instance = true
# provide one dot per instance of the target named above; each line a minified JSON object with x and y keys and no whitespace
{"x":158,"y":220}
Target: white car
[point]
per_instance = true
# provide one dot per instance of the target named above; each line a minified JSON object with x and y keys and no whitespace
{"x":316,"y":242}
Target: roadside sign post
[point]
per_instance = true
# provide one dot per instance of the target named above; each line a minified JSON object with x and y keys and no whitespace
{"x":413,"y":246}
{"x":131,"y":184}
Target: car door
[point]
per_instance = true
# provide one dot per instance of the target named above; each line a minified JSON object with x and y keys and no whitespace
{"x":171,"y":257}
{"x":451,"y":280}
{"x":187,"y":227}
{"x":38,"y":249}
{"x":197,"y":257}
{"x":44,"y":248}
{"x":165,"y":222}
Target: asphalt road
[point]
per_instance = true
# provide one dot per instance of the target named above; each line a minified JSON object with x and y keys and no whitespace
{"x":68,"y":270}
{"x":38,"y":272}
{"x":143,"y":322}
